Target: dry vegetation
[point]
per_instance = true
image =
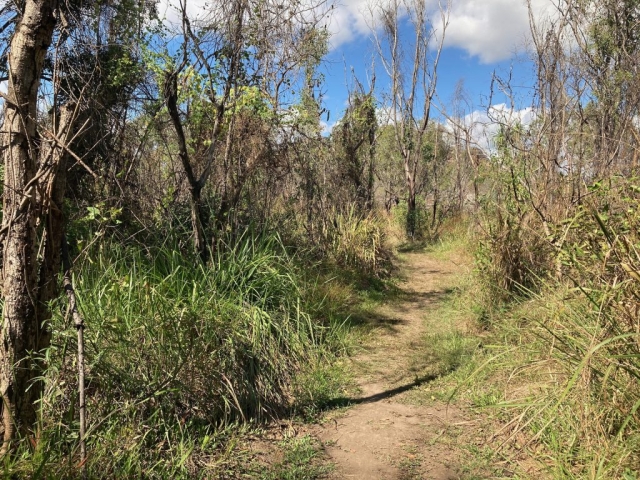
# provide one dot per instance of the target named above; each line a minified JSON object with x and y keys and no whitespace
{"x":223,"y":248}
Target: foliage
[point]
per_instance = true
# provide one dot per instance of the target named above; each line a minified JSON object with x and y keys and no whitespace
{"x":515,"y":252}
{"x":180,"y":348}
{"x":355,"y":145}
{"x":176,"y":349}
{"x":573,"y":344}
{"x":357,"y":242}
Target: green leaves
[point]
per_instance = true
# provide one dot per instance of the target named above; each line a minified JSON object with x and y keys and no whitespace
{"x":103,"y":216}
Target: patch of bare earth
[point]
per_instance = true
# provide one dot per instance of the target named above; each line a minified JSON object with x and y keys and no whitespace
{"x":380,"y":436}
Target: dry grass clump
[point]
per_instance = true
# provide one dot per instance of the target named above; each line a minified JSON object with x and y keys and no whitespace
{"x":576,"y":363}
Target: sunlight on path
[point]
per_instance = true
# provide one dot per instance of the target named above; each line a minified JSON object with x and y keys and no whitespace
{"x":382,"y":437}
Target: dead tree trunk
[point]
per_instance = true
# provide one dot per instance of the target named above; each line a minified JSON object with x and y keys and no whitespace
{"x":413,"y":82}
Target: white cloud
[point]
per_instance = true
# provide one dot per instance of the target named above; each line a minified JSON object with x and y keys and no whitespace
{"x":485,"y":124}
{"x":348,"y":21}
{"x":327,"y":128}
{"x":492,"y":30}
{"x":169,"y":10}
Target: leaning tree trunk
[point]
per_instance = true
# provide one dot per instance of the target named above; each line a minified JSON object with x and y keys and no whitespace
{"x":23,"y":334}
{"x":198,"y":212}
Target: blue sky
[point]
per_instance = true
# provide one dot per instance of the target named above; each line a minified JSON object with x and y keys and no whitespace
{"x":455,"y":65}
{"x":483,"y":37}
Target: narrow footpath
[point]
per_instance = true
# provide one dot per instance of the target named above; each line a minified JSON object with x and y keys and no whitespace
{"x":384,"y":435}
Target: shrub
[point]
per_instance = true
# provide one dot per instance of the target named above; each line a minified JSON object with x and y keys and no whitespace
{"x":358,"y":242}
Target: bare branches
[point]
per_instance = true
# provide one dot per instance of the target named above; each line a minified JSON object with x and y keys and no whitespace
{"x":413,"y":82}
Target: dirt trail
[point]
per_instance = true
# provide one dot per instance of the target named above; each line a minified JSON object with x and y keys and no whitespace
{"x":382,"y":437}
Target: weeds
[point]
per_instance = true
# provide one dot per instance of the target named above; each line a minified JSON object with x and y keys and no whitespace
{"x":358,"y":242}
{"x":178,"y":353}
{"x":567,"y":358}
{"x":301,"y":461}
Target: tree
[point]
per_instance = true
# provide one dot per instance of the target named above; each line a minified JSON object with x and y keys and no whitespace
{"x":465,"y":152}
{"x":242,"y":48}
{"x":37,"y":149}
{"x":28,"y":183}
{"x":357,"y":138}
{"x":413,"y":81}
{"x":609,"y":49}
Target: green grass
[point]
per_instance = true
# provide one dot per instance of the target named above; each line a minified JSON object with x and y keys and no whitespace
{"x":545,"y":376}
{"x":318,"y":386}
{"x":301,"y":460}
{"x":185,"y":360}
{"x":450,"y":349}
{"x":559,"y":366}
{"x":470,"y":367}
{"x":409,"y":466}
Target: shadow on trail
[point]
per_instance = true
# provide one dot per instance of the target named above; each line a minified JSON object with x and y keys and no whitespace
{"x":402,"y":301}
{"x":345,"y":401}
{"x":370,"y":320}
{"x":412,"y":296}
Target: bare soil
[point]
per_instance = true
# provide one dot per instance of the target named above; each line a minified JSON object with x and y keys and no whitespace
{"x":382,"y":436}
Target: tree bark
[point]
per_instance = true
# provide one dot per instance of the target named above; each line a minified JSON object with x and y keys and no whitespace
{"x":411,"y":210}
{"x":23,"y":332}
{"x":170,"y":93}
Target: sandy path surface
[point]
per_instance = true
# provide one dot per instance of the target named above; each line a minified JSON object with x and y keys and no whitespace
{"x":381,"y":436}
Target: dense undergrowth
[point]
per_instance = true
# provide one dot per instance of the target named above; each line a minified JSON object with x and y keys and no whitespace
{"x":185,"y":358}
{"x":554,"y":366}
{"x":557,"y":318}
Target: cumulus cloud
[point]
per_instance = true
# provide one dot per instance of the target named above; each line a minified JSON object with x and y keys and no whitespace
{"x":348,"y":21}
{"x":491,"y":30}
{"x":485,"y":124}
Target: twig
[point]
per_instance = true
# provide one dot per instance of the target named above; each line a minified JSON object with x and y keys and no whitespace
{"x":72,"y":154}
{"x":78,"y":322}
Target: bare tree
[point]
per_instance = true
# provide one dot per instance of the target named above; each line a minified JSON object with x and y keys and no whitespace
{"x":465,"y":150}
{"x":413,"y":80}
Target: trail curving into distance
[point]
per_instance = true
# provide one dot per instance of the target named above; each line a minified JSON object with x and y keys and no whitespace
{"x":382,"y":436}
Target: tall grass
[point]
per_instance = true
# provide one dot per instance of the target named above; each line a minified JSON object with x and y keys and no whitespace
{"x":176,"y":349}
{"x":358,"y":242}
{"x":574,"y":381}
